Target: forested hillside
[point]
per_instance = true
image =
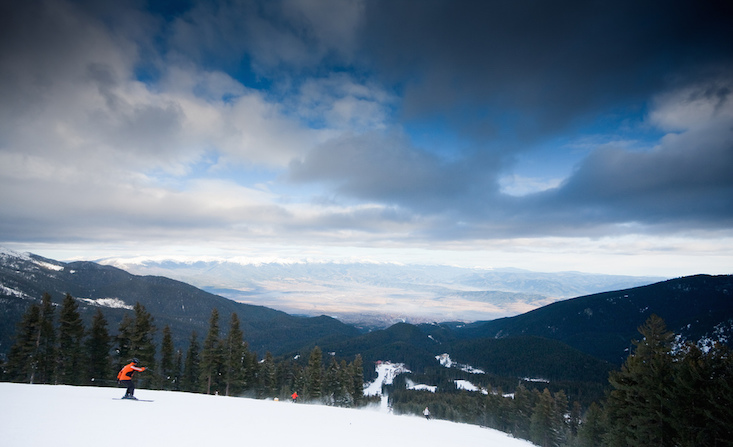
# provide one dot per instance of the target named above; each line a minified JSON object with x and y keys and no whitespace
{"x":25,"y":278}
{"x":603,"y":324}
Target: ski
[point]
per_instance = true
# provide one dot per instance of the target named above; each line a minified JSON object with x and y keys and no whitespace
{"x":139,"y":400}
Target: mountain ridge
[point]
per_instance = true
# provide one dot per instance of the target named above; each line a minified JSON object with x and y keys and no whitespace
{"x":694,"y":307}
{"x":24,"y":278}
{"x":341,"y":289}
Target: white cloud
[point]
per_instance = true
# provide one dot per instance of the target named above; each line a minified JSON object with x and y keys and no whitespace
{"x":694,"y":106}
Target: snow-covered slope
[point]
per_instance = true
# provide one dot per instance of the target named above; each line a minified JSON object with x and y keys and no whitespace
{"x":33,"y":415}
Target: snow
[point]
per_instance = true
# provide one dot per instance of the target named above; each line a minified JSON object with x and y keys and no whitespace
{"x":420,"y":386}
{"x":468,"y":386}
{"x":535,"y":379}
{"x":49,"y":266}
{"x":386,"y":372}
{"x":446,"y":361}
{"x":33,"y":415}
{"x":114,"y":303}
{"x":12,"y":292}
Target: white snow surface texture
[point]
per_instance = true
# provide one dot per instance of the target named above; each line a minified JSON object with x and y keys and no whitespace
{"x":35,"y":415}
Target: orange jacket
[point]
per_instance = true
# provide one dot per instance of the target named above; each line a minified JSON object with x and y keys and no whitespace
{"x":127,"y":371}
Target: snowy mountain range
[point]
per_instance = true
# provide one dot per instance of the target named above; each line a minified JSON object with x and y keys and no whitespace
{"x":377,"y":295}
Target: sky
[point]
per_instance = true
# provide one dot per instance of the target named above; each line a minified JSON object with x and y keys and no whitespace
{"x":550,"y":136}
{"x":76,"y":416}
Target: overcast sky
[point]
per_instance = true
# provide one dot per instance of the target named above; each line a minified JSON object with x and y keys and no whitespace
{"x":570,"y":135}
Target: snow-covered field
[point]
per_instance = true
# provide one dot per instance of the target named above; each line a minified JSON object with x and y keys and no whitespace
{"x":34,"y":415}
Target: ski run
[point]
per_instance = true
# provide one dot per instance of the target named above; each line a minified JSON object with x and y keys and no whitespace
{"x":33,"y":415}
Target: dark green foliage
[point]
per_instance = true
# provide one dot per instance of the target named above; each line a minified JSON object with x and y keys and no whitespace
{"x":236,"y":353}
{"x":212,"y":358}
{"x":23,"y":357}
{"x":178,"y":371}
{"x":638,"y":405}
{"x":702,"y":396}
{"x":288,"y":373}
{"x":142,"y":343}
{"x":338,"y":384}
{"x":357,"y":380}
{"x":529,"y":356}
{"x":168,"y":372}
{"x":547,"y":425}
{"x":123,"y":351}
{"x":46,"y":342}
{"x":98,"y":345}
{"x":521,"y":413}
{"x":70,"y":350}
{"x":314,"y":376}
{"x":191,"y":371}
{"x":267,"y":374}
{"x":593,"y":428}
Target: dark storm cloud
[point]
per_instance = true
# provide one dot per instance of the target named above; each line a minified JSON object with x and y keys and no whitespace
{"x":686,"y":183}
{"x":682,"y":183}
{"x":512,"y":73}
{"x":537,"y":66}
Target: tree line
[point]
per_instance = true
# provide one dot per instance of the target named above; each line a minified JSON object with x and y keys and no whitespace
{"x":47,"y":351}
{"x":666,"y":394}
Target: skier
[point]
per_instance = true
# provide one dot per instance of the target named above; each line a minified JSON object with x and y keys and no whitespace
{"x":294,"y":396}
{"x":426,"y":412}
{"x":124,"y":377}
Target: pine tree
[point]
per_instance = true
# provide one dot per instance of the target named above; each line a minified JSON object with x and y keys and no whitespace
{"x":703,"y":397}
{"x":22,"y":363}
{"x":70,"y":349}
{"x":267,"y":376}
{"x":592,"y":430}
{"x":332,"y":383}
{"x":637,"y":406}
{"x":575,"y":419}
{"x":345,"y":396}
{"x":521,"y":412}
{"x":357,"y":378}
{"x":142,"y":339}
{"x":212,"y":358}
{"x":33,"y":357}
{"x":167,"y":365}
{"x":545,"y":426}
{"x":178,"y":371}
{"x":46,"y":342}
{"x":234,"y":362}
{"x":286,"y":374}
{"x":191,"y":371}
{"x":251,"y":370}
{"x":98,"y":345}
{"x":314,"y":375}
{"x":123,"y":341}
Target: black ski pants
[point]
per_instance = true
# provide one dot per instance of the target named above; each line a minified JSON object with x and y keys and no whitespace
{"x":130,"y":387}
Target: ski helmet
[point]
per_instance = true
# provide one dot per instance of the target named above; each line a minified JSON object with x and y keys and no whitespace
{"x":135,"y":361}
